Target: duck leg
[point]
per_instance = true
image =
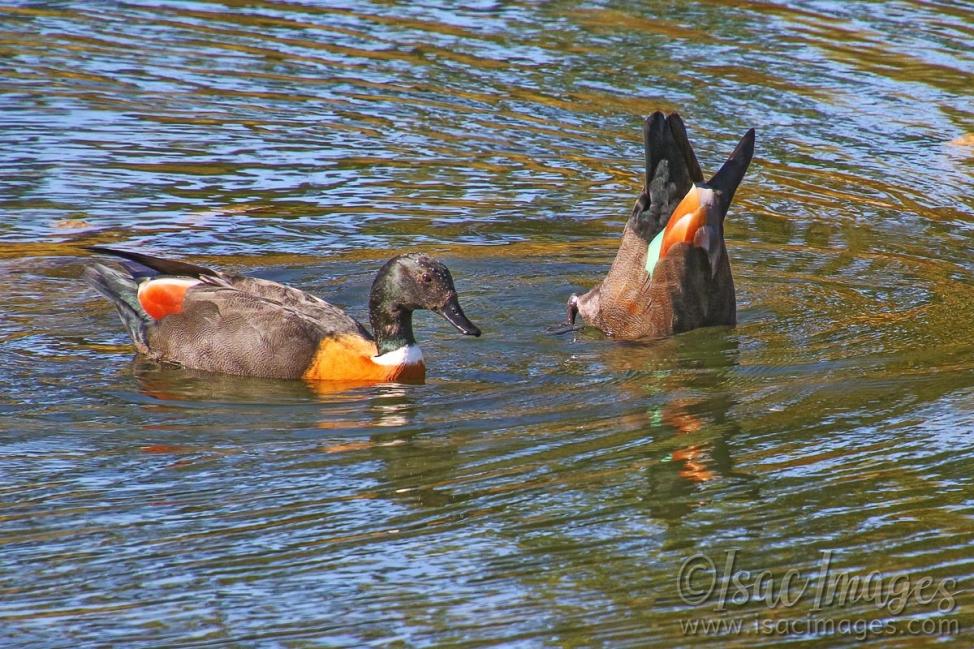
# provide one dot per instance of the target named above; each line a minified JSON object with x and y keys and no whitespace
{"x":571,"y":311}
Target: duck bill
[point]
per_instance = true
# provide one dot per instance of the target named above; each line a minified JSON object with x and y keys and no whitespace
{"x":455,"y":316}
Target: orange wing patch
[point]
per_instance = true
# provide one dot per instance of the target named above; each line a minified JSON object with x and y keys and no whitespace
{"x":349,"y":358}
{"x":687,"y":218}
{"x":164,"y":295}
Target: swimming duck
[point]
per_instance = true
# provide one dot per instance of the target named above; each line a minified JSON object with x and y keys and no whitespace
{"x":207,"y":320}
{"x":672,"y":272}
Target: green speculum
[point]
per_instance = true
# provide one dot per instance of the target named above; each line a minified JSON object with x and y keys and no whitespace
{"x":652,"y":253}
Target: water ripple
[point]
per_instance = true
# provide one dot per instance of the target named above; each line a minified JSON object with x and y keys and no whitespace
{"x":536,"y":490}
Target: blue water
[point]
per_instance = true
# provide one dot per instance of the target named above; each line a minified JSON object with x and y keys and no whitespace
{"x":537,"y":490}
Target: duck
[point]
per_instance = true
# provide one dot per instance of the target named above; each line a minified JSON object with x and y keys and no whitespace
{"x":672,"y":272}
{"x":203,"y":319}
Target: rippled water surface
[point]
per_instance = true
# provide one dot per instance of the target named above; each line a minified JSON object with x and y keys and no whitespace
{"x":536,"y":491}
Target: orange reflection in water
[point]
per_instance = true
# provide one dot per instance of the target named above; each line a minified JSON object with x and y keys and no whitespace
{"x":344,"y":404}
{"x":695,"y":458}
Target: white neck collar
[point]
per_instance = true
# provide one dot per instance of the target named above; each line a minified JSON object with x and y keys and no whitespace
{"x":405,"y":355}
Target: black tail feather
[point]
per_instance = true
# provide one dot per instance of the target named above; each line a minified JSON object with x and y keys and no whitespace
{"x":123,"y":291}
{"x":671,"y":169}
{"x":163,"y":266}
{"x":682,"y":143}
{"x":138,"y":271}
{"x":730,"y":175}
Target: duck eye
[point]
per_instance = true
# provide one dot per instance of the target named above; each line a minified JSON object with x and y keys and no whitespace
{"x":427,"y":278}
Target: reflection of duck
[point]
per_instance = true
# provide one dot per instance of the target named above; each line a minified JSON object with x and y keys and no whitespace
{"x":671,"y":273}
{"x":687,"y":384}
{"x":218,"y":322}
{"x":696,"y":454}
{"x":335,"y":405}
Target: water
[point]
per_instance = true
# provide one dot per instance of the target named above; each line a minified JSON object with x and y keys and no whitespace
{"x":536,"y":491}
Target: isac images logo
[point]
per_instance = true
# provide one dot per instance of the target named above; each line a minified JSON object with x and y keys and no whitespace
{"x":825,"y":601}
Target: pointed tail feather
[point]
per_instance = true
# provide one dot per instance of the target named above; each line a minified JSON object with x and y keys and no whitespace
{"x":164,"y":266}
{"x":682,"y":143}
{"x":725,"y":181}
{"x":122,"y":290}
{"x":671,"y":169}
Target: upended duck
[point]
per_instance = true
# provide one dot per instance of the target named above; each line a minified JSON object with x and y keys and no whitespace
{"x":208,"y":320}
{"x":671,"y":273}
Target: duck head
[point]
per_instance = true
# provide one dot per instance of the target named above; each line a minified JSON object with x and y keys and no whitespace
{"x":405,"y":284}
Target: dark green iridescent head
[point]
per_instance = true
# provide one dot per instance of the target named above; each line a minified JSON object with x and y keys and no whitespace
{"x":407,"y":283}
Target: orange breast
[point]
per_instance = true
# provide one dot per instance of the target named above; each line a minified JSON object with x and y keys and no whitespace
{"x":349,"y":358}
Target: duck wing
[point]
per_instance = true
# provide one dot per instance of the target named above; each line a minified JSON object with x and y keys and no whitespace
{"x":223,"y":329}
{"x":275,"y":294}
{"x":328,"y":315}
